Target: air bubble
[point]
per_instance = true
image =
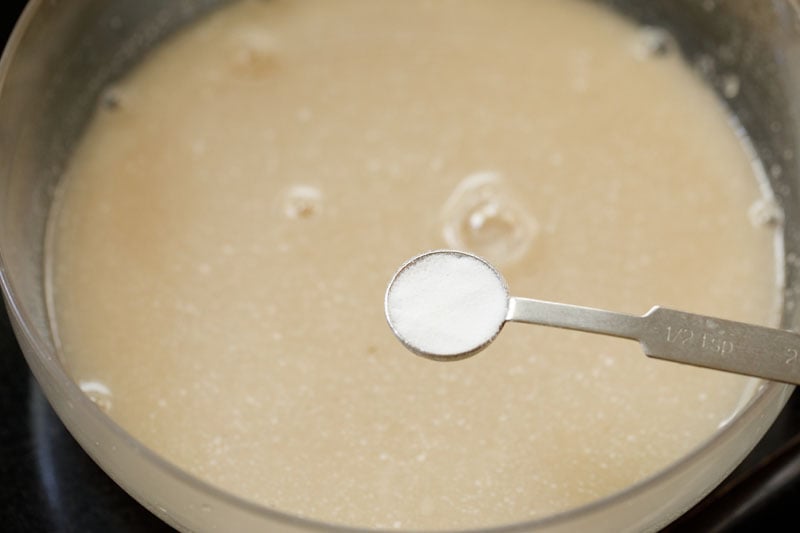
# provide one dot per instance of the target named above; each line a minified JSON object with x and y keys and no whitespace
{"x":730,"y":85}
{"x":481,"y":216}
{"x":765,"y":212}
{"x":99,"y":393}
{"x":254,"y":55}
{"x":302,"y":202}
{"x":112,"y":99}
{"x":653,"y":42}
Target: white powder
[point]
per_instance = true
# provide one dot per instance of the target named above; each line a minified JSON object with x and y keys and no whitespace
{"x":446,"y":304}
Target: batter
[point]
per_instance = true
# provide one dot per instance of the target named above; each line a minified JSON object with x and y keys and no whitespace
{"x":226,"y":228}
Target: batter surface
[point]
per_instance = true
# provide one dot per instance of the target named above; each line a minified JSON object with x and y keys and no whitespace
{"x":228,"y":224}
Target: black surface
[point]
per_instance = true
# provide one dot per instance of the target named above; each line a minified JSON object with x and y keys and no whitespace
{"x":47,"y":483}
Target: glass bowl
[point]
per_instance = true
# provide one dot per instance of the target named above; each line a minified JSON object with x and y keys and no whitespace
{"x":61,"y":56}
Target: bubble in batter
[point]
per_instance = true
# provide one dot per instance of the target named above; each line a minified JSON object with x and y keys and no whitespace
{"x":482,"y":217}
{"x":653,"y":42}
{"x":99,"y":393}
{"x":302,"y":202}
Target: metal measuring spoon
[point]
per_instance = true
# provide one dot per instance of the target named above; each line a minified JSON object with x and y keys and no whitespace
{"x":448,"y":305}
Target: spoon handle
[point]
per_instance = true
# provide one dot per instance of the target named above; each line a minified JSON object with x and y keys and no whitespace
{"x":722,"y":344}
{"x":681,"y":337}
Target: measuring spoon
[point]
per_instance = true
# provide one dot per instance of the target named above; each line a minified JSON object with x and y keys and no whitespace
{"x":448,"y":305}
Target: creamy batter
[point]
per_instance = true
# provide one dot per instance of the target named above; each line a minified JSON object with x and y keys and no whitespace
{"x":229,"y":222}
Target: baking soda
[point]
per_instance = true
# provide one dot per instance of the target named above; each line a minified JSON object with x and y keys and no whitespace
{"x":446,"y":304}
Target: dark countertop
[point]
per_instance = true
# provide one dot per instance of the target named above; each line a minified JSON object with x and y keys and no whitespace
{"x":48,"y":484}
